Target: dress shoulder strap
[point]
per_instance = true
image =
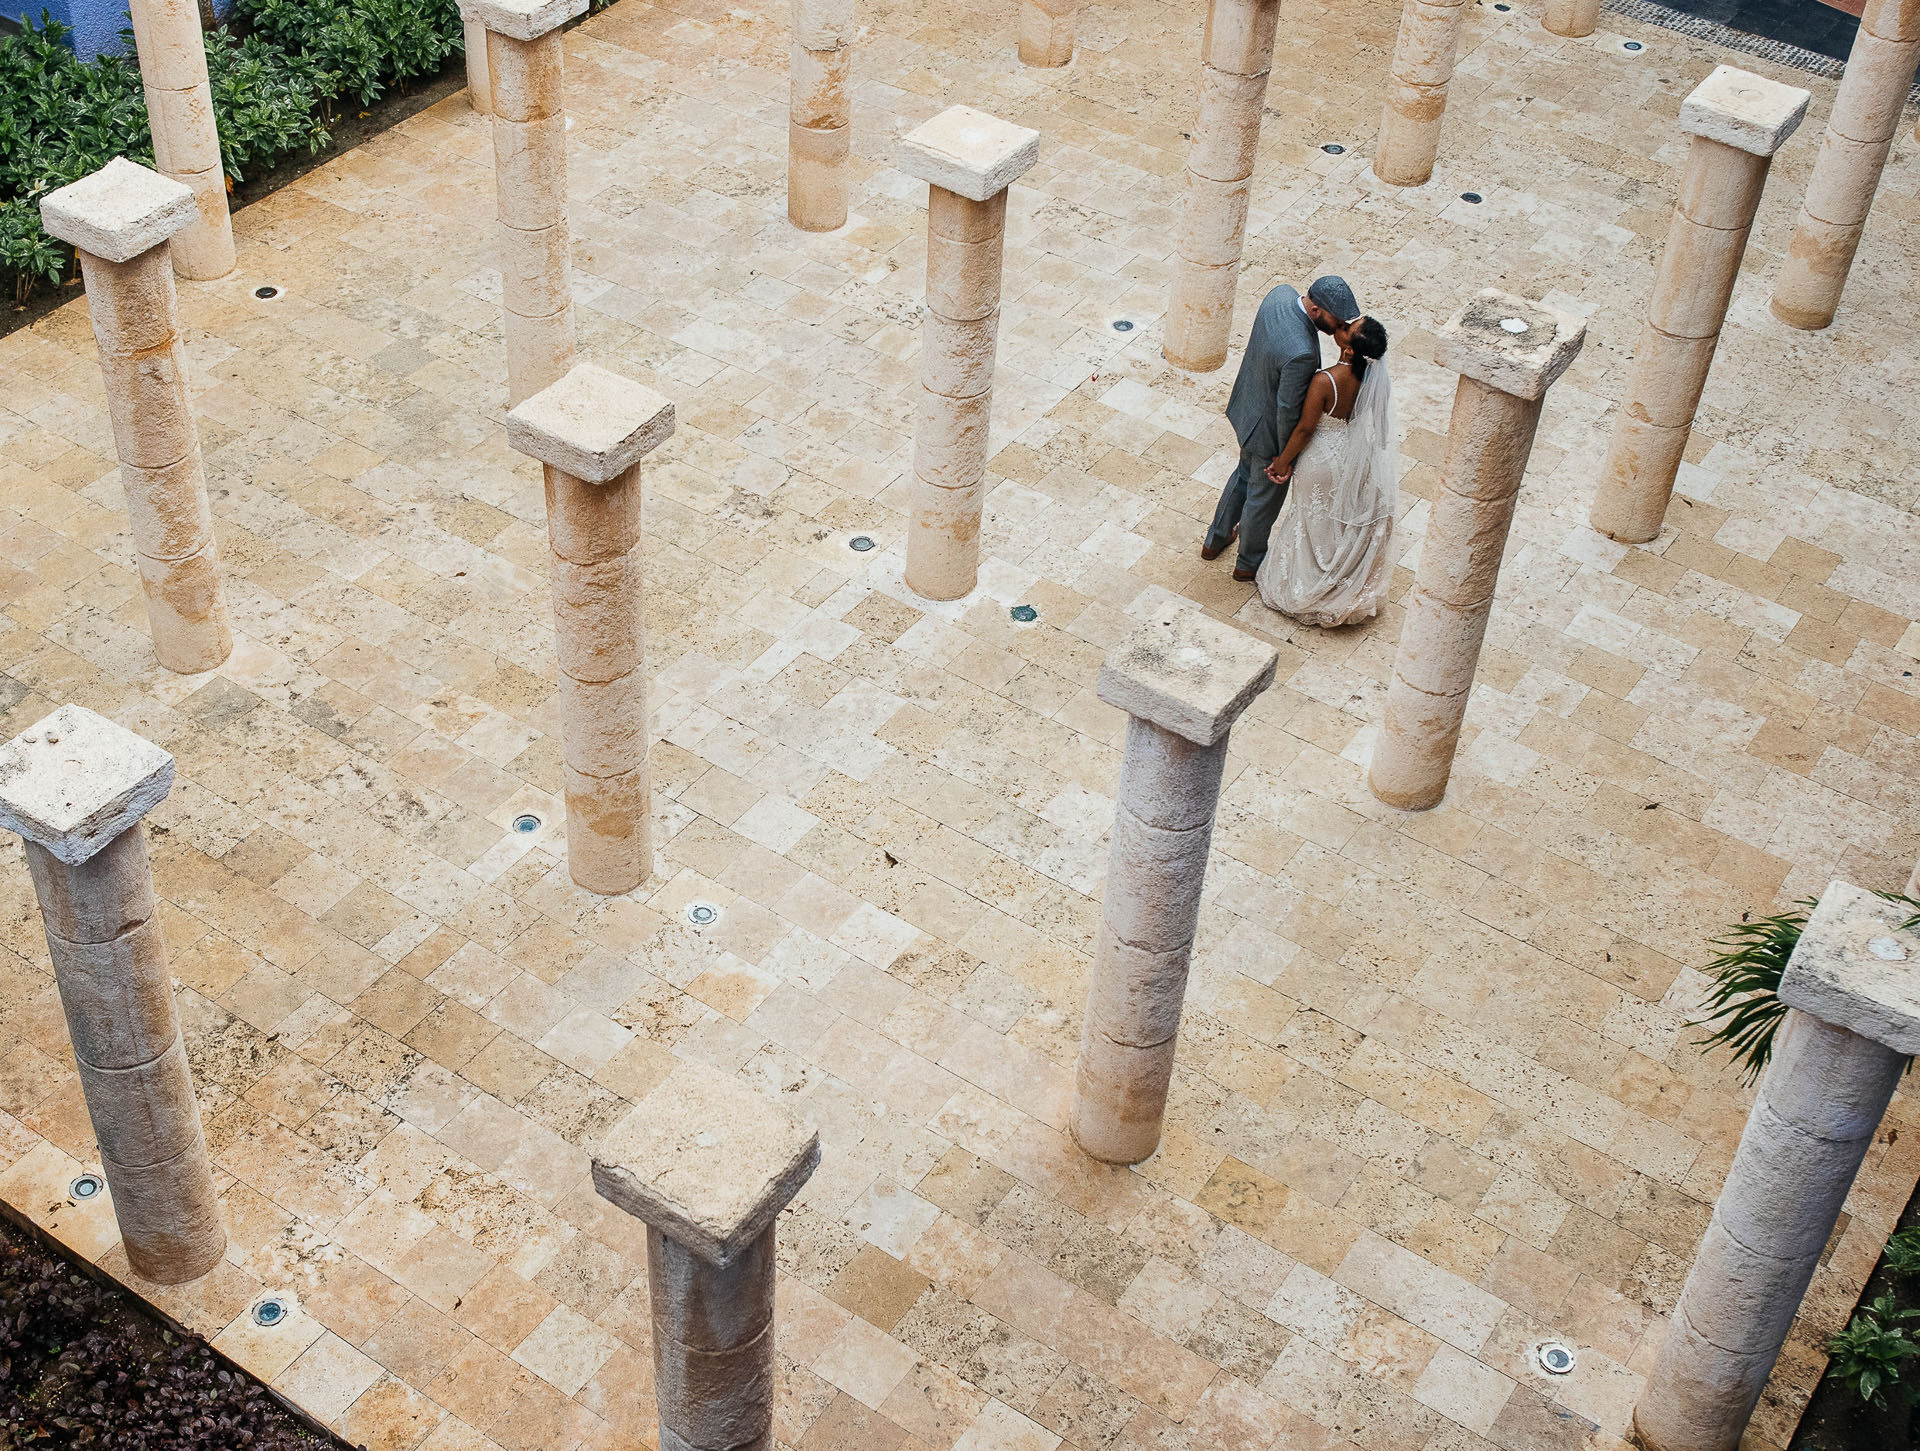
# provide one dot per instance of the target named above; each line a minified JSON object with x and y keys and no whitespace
{"x":1328,"y":373}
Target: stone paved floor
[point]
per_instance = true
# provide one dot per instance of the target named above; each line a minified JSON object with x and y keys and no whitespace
{"x":1436,"y":1100}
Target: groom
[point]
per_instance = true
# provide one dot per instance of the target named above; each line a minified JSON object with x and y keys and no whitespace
{"x":1283,"y":354}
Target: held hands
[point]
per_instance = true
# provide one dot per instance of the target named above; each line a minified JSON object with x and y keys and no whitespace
{"x":1278,"y":474}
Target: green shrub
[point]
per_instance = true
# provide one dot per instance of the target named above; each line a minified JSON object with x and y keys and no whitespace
{"x":267,"y":106}
{"x":1867,"y":1355}
{"x":358,"y":48}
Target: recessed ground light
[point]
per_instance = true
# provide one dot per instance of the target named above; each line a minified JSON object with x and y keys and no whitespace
{"x":526,"y":825}
{"x":1025,"y":614}
{"x":702,"y":914}
{"x":859,"y":544}
{"x":266,"y":292}
{"x":1555,"y":1358}
{"x":1121,"y":325}
{"x":1334,"y":148}
{"x":1503,"y":9}
{"x":1632,"y":47}
{"x":1472,"y":196}
{"x":270,"y":1312}
{"x":87,"y":1186}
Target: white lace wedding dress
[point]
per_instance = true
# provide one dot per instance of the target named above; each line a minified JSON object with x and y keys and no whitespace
{"x":1329,"y":561}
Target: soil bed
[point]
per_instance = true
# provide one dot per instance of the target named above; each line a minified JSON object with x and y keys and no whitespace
{"x":1836,"y":1419}
{"x":84,"y":1363}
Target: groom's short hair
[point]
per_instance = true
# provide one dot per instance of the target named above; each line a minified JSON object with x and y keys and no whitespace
{"x":1333,"y":294}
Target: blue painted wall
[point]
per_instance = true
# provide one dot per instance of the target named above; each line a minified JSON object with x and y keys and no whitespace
{"x":96,"y":24}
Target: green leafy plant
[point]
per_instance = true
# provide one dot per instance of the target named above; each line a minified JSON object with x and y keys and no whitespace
{"x":1743,"y":1010}
{"x":267,"y":105}
{"x":358,"y":48}
{"x":1903,"y":1253}
{"x":1867,"y":1355}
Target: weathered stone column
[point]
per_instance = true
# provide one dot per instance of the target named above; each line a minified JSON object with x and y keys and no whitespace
{"x":1046,"y":32}
{"x":1572,"y":18}
{"x":591,"y":429}
{"x":709,"y":1164}
{"x":527,"y":95}
{"x":75,"y":786}
{"x":820,"y":115}
{"x":1508,"y":352}
{"x":1183,"y":680}
{"x":1236,"y":55}
{"x":186,"y":142}
{"x":968,"y":159}
{"x":1866,"y":113}
{"x":1738,"y":121}
{"x":120,"y":220}
{"x":1855,"y":1000}
{"x":479,"y":88}
{"x":1417,"y":91}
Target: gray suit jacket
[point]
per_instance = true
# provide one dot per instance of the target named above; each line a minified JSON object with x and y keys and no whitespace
{"x":1283,"y":354}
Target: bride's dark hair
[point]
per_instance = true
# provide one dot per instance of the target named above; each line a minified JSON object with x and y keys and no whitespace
{"x":1368,"y":341}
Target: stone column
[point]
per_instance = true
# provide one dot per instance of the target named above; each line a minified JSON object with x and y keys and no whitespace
{"x":1738,"y":121}
{"x":479,"y":89}
{"x":186,"y":142}
{"x":709,"y":1164}
{"x":590,"y":430}
{"x":1836,"y":1062}
{"x":1866,"y":113}
{"x":1417,"y":91}
{"x":820,"y":115}
{"x":1046,"y":32}
{"x":968,"y":159}
{"x":1508,"y":352}
{"x":1573,"y":18}
{"x":1183,"y":680}
{"x":1236,"y":54}
{"x":527,"y":96}
{"x":75,"y":786}
{"x":120,"y":220}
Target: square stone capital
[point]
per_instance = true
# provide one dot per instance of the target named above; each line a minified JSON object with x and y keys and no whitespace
{"x":592,"y":424}
{"x":1857,"y":968}
{"x":1742,"y":110}
{"x":1187,"y":673}
{"x":119,"y":211}
{"x":706,"y":1161}
{"x":1509,"y":343}
{"x":969,"y":152}
{"x":74,"y":781}
{"x":521,"y":19}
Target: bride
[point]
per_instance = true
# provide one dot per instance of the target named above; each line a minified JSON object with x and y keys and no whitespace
{"x":1329,"y":564}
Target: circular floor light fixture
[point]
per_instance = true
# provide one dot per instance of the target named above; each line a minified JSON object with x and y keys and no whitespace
{"x":1024,"y":614}
{"x":266,"y":292}
{"x":1555,"y":1358}
{"x":271,"y":1311}
{"x":1472,"y":197}
{"x":526,"y":824}
{"x":1334,"y":148}
{"x":702,"y":914}
{"x":1122,"y":325}
{"x":87,"y":1186}
{"x":860,"y":544}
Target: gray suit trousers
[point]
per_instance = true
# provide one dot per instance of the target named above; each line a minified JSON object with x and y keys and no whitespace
{"x":1252,"y":501}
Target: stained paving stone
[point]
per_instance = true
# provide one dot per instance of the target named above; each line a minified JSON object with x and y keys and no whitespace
{"x":1436,"y":1097}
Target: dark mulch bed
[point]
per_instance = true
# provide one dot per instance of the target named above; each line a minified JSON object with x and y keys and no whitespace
{"x":84,"y":1364}
{"x":1836,"y":1419}
{"x":350,"y":128}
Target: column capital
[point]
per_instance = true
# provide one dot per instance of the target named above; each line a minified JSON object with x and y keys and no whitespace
{"x":1509,"y":343}
{"x":706,"y":1161}
{"x":119,"y":211}
{"x":1187,"y":673}
{"x":592,"y":424}
{"x":969,"y":152}
{"x":521,"y":19}
{"x":1745,"y":111}
{"x":75,"y":780}
{"x":1857,"y":967}
{"x":822,"y":24}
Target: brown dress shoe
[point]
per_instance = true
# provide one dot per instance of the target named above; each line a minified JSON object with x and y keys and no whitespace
{"x":1243,"y":576}
{"x":1212,"y":554}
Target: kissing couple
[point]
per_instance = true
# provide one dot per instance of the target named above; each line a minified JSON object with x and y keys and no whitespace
{"x":1312,"y":500}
